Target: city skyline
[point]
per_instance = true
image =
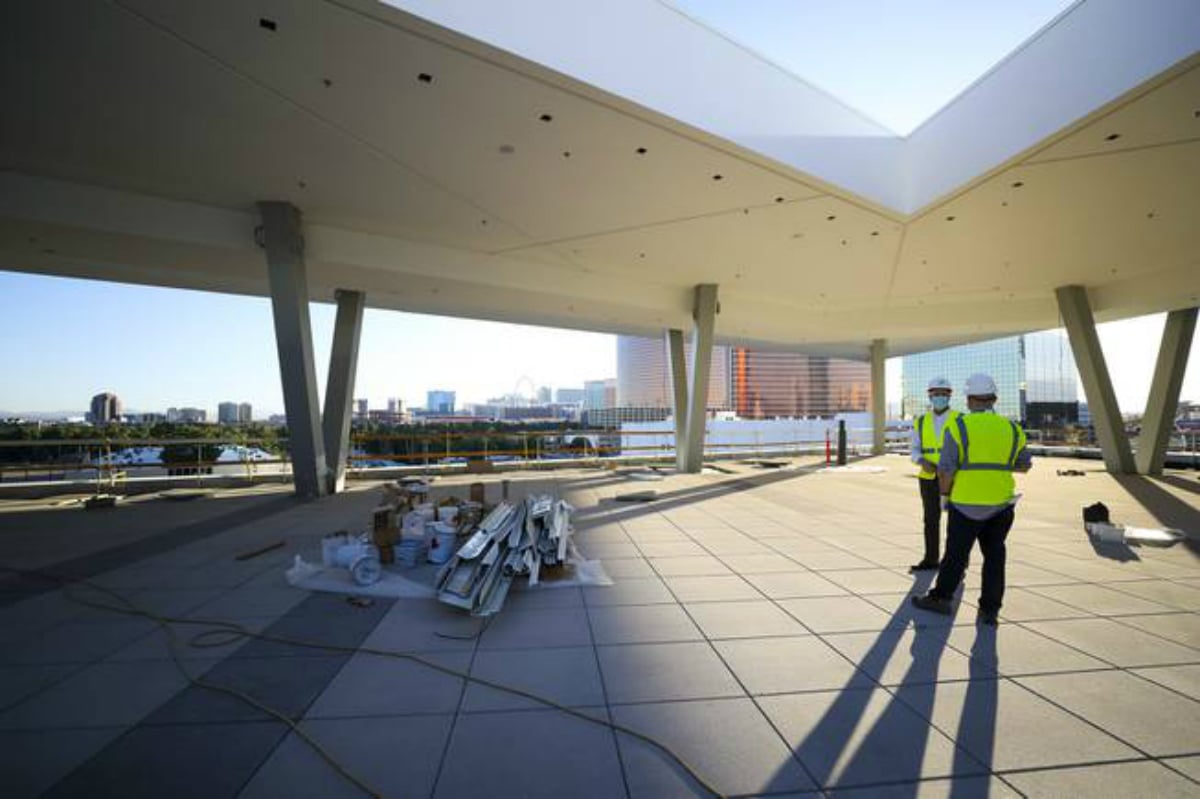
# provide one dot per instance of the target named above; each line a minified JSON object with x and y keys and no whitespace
{"x":209,"y":348}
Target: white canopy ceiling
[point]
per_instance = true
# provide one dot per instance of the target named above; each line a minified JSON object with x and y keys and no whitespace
{"x":445,"y":175}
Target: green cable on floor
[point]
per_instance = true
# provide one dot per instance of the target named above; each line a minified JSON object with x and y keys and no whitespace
{"x":230,"y":632}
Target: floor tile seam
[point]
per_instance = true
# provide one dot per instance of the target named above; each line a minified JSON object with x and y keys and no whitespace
{"x":1121,"y":620}
{"x":746,"y":693}
{"x":604,"y":695}
{"x":1084,"y":764}
{"x":1114,"y":587}
{"x":1171,"y":689}
{"x":1105,"y":586}
{"x":1111,"y":617}
{"x":1165,"y":762}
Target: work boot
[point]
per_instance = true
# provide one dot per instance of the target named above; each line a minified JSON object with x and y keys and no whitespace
{"x":924,"y":566}
{"x":933,"y":603}
{"x":988,"y":617}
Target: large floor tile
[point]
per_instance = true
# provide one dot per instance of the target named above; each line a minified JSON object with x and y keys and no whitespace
{"x":32,"y":761}
{"x":689,"y":566}
{"x":1099,"y":600}
{"x":1014,"y":650}
{"x":629,"y":591}
{"x":642,"y":624}
{"x":369,"y":685}
{"x":1182,"y":628}
{"x":536,"y":628}
{"x":101,"y":695}
{"x":790,"y":585}
{"x":770,"y":563}
{"x":77,"y":642}
{"x":424,"y":626}
{"x":728,"y":741}
{"x":743,"y":619}
{"x":569,"y":676}
{"x":530,"y":754}
{"x":945,"y":788}
{"x":787,"y":665}
{"x":1109,"y":780}
{"x":659,"y":672}
{"x":1152,"y":718}
{"x":19,"y":682}
{"x":1164,"y":592}
{"x":1115,"y":642}
{"x":712,"y":589}
{"x":392,"y":756}
{"x":1184,"y":679}
{"x":869,"y":581}
{"x":862,"y":736}
{"x":896,"y":656}
{"x":993,"y":719}
{"x":837,"y":614}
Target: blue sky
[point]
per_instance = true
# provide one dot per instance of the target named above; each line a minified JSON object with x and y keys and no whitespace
{"x":155,"y":347}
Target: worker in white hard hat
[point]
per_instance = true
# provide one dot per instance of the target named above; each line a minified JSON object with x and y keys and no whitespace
{"x":926,"y":448}
{"x":980,"y":452}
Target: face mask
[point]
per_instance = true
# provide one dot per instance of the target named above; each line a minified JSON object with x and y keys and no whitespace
{"x":939,"y":403}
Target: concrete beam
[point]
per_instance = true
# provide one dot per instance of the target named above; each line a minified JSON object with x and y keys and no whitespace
{"x":339,"y":389}
{"x":1159,"y":418}
{"x":284,"y":244}
{"x":1076,"y":311}
{"x":878,"y":395}
{"x":704,"y":316}
{"x":679,"y":385}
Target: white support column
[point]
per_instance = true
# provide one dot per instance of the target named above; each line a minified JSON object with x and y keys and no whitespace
{"x":675,"y":352}
{"x":284,"y":244}
{"x":704,"y":315}
{"x":1159,"y":418}
{"x":339,"y":389}
{"x":1076,"y":312}
{"x":878,"y":395}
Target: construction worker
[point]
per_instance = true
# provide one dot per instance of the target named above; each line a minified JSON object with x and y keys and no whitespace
{"x":980,"y":452}
{"x":926,"y":447}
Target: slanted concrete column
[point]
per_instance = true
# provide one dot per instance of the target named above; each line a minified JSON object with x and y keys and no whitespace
{"x":1076,"y":312}
{"x":284,"y":244}
{"x":679,"y":387}
{"x":1159,"y":418}
{"x":704,"y":315}
{"x":339,"y":389}
{"x":878,"y":395}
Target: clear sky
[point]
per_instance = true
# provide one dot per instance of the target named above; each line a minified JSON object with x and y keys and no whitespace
{"x":69,"y":339}
{"x":898,"y":61}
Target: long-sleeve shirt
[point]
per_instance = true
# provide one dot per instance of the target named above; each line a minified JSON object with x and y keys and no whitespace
{"x":948,"y":465}
{"x":914,"y":439}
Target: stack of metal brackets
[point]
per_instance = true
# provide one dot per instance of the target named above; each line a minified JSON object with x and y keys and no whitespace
{"x":514,"y":540}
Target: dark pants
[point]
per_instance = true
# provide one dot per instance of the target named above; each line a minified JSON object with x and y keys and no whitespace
{"x":961,"y":534}
{"x":931,"y":501}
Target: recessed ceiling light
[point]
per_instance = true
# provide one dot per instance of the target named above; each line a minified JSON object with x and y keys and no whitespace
{"x":641,"y":151}
{"x":717,"y":177}
{"x":507,"y":149}
{"x":302,"y":184}
{"x":1018,"y":184}
{"x":268,"y":24}
{"x":566,"y":153}
{"x":425,"y":77}
{"x":327,"y":82}
{"x":830,"y":218}
{"x":874,"y":232}
{"x":1150,"y":215}
{"x":951,"y":218}
{"x":1112,"y":137}
{"x":545,"y":117}
{"x":778,"y":199}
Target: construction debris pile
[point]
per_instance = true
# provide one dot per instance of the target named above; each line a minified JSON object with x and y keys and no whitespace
{"x":515,"y":540}
{"x":476,"y":553}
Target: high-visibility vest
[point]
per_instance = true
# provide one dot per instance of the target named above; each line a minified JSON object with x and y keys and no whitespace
{"x":931,"y":444}
{"x":987,"y":451}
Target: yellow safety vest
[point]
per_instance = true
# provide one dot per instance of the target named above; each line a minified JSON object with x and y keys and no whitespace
{"x":987,"y":451}
{"x":931,"y":445}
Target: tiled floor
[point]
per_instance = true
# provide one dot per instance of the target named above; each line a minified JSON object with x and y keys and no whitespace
{"x":759,"y":626}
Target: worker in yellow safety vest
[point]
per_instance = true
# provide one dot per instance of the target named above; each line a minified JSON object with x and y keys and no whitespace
{"x":980,"y":452}
{"x":925,"y":450}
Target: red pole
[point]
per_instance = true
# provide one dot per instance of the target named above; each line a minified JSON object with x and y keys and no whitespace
{"x":827,"y":452}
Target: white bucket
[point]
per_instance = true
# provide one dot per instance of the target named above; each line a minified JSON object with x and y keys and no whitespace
{"x":441,"y":547}
{"x":447,"y":513}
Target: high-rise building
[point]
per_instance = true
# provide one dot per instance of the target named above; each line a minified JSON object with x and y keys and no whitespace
{"x":361,"y":408}
{"x":245,"y":413}
{"x":771,"y":385}
{"x":227,"y":413}
{"x":1035,"y":376}
{"x":544,"y":395}
{"x":187,"y":415}
{"x":439,"y":401}
{"x":395,"y":406}
{"x":598,"y":394}
{"x":105,"y":408}
{"x":644,"y":374}
{"x":569,"y":396}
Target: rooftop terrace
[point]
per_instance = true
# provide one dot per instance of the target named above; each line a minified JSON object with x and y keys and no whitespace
{"x":759,"y":627}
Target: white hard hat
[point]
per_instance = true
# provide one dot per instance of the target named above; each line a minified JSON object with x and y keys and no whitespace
{"x":981,"y":385}
{"x":939,"y":383}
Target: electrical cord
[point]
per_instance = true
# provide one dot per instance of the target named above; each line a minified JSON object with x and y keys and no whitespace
{"x":229,"y":632}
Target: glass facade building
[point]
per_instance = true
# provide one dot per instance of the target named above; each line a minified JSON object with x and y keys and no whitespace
{"x":771,"y":385}
{"x":644,"y":374}
{"x":1035,"y":376}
